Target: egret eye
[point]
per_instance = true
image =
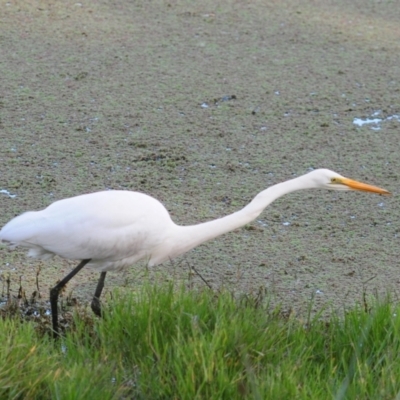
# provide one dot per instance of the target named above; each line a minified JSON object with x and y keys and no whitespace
{"x":333,"y":180}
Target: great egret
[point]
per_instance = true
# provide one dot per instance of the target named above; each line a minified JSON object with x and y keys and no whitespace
{"x":111,"y":230}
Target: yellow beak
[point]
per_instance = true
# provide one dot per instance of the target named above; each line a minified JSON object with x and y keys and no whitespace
{"x":355,"y":185}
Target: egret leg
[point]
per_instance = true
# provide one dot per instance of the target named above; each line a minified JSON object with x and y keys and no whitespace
{"x":55,"y":291}
{"x":96,"y":305}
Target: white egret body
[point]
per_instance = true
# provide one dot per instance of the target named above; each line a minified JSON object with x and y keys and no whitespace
{"x":112,"y":230}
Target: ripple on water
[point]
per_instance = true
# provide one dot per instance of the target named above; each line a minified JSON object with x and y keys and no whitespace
{"x":4,"y":191}
{"x":375,"y":122}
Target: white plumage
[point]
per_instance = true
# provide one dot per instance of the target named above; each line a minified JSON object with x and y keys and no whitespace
{"x":112,"y":228}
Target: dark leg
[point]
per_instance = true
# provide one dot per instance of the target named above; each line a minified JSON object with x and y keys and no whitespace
{"x":55,"y":291}
{"x":96,"y":305}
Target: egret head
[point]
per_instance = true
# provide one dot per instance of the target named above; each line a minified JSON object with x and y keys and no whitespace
{"x":327,"y":179}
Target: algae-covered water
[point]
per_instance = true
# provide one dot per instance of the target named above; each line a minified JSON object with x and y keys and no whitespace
{"x":203,"y":105}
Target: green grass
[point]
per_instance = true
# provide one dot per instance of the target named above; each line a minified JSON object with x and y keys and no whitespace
{"x":162,"y":343}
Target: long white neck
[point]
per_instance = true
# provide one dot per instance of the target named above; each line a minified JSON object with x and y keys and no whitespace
{"x":185,"y":238}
